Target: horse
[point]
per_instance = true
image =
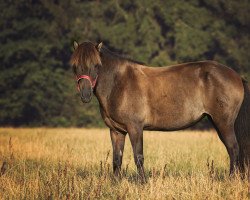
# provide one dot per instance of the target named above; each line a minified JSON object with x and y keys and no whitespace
{"x":134,"y":97}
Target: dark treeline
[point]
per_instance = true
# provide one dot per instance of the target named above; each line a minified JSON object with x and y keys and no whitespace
{"x":37,"y":86}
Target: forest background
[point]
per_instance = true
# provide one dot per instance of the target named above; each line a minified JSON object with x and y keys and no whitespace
{"x":37,"y":86}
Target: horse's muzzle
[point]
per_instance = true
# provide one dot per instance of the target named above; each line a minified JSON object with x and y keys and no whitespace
{"x":86,"y":94}
{"x":86,"y":99}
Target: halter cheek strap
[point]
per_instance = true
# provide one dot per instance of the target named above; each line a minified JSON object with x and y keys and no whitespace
{"x":92,"y":82}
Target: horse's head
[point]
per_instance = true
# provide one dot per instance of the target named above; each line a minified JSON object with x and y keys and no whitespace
{"x":86,"y":62}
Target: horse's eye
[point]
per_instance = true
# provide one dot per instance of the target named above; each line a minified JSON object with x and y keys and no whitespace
{"x":74,"y":69}
{"x":96,"y":67}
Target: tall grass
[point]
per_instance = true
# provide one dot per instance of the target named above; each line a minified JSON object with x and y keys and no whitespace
{"x":77,"y":164}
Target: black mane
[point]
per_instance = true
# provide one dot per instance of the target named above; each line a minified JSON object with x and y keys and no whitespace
{"x":117,"y":56}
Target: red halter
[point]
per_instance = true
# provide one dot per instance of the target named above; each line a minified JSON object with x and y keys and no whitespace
{"x":92,"y":82}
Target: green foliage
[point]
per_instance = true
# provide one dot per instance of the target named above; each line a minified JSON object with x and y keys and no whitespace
{"x":36,"y":82}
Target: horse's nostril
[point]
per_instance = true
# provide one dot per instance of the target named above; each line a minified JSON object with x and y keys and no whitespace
{"x":86,"y":99}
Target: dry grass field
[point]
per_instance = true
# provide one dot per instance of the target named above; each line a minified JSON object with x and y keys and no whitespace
{"x":77,"y":164}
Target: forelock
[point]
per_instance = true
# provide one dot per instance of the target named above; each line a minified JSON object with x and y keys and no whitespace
{"x":85,"y":55}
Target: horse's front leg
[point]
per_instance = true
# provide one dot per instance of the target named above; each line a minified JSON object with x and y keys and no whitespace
{"x":136,"y":138}
{"x":118,"y":141}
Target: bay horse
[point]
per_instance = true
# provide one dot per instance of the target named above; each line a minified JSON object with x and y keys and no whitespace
{"x":134,"y":97}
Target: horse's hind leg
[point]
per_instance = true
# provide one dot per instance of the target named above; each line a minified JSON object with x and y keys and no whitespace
{"x":227,"y":135}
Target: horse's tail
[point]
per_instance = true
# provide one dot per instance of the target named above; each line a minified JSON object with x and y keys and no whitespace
{"x":242,"y":129}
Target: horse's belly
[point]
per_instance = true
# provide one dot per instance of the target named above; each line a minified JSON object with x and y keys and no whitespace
{"x":170,"y":125}
{"x":174,"y":117}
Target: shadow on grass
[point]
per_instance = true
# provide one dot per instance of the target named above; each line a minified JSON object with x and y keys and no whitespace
{"x":27,"y":167}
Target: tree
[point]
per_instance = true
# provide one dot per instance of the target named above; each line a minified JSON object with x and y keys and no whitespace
{"x":35,"y":54}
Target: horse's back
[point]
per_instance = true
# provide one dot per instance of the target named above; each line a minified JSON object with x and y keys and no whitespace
{"x":180,"y":95}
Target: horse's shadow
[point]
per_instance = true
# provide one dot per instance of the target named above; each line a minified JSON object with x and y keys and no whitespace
{"x":215,"y":174}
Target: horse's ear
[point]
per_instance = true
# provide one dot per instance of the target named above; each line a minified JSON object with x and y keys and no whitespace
{"x":99,"y":46}
{"x":75,"y":45}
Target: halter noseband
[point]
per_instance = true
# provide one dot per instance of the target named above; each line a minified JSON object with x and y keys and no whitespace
{"x":92,"y":82}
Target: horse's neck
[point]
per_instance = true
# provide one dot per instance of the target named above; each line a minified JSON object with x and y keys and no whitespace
{"x":106,"y":76}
